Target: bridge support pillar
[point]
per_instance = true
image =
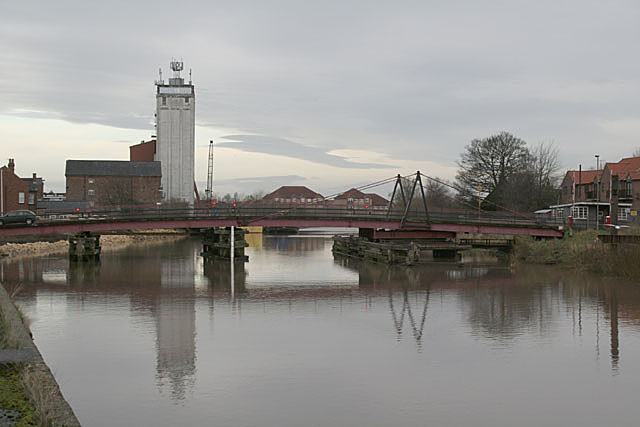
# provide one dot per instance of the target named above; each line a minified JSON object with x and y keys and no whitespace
{"x":217,"y":243}
{"x":84,"y":247}
{"x":446,"y":254}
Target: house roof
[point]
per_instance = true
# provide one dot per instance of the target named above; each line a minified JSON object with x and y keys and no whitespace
{"x":627,"y":166}
{"x":351,"y":194}
{"x":585,"y":177}
{"x":293,"y":191}
{"x":376,"y":199}
{"x":111,"y":168}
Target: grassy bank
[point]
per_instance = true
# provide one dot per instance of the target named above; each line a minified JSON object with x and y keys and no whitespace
{"x":583,"y":252}
{"x":28,"y":390}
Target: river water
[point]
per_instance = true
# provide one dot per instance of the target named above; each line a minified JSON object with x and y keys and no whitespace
{"x":151,"y":336}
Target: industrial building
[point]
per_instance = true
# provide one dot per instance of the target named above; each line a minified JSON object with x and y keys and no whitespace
{"x":112,"y":182}
{"x":175,"y":144}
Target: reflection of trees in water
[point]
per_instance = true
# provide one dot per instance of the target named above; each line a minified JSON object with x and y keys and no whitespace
{"x":500,"y":305}
{"x":502,"y":311}
{"x":294,"y":245}
{"x":398,"y":321}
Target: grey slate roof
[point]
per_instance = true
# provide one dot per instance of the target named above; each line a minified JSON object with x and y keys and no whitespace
{"x":111,"y":168}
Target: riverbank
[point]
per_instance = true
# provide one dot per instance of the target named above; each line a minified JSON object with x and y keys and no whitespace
{"x":107,"y":242}
{"x":582,"y":251}
{"x":29,"y":394}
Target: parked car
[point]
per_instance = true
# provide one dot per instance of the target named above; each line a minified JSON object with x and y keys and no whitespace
{"x":18,"y":217}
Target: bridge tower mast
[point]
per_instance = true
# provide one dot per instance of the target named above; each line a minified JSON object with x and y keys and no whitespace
{"x":209,"y":190}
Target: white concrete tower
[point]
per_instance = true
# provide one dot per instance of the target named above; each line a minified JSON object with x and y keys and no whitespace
{"x":175,"y":146}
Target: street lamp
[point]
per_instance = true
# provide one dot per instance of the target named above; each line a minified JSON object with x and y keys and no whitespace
{"x":597,"y":190}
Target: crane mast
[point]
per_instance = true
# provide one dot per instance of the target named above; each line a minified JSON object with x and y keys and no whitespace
{"x":209,"y":190}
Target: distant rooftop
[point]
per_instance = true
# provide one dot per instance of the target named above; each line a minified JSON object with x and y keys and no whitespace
{"x":111,"y":168}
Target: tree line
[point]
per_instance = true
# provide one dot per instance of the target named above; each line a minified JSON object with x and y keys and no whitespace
{"x":497,"y":173}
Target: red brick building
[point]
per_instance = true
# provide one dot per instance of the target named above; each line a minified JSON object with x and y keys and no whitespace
{"x":113,"y":182}
{"x":357,"y":199}
{"x":143,"y":152}
{"x":619,"y":193}
{"x":14,"y":191}
{"x":294,"y":195}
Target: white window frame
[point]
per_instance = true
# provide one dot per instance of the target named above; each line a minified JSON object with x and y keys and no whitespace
{"x":580,"y":212}
{"x":32,"y":198}
{"x":21,"y":197}
{"x":91,"y":192}
{"x":623,"y":214}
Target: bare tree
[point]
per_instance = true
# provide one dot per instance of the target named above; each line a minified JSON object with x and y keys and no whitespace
{"x":636,"y":152}
{"x":545,"y":164}
{"x":491,"y":161}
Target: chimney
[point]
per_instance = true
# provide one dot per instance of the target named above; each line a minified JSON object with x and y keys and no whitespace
{"x":12,"y":165}
{"x":34,"y":178}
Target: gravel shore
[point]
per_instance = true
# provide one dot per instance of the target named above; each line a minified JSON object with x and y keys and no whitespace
{"x":107,"y":242}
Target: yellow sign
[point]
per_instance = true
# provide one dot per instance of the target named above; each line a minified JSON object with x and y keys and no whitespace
{"x":634,"y":213}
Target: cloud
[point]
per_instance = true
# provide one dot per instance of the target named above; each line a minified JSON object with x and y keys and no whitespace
{"x":284,"y":147}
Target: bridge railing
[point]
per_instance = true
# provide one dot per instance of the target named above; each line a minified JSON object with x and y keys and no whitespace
{"x":257,"y":212}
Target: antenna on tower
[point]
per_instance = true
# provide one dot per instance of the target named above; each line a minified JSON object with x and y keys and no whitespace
{"x":190,"y":76}
{"x":160,"y":81}
{"x":177,"y":66}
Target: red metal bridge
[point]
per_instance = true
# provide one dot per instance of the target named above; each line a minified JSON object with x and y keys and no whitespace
{"x":386,"y":224}
{"x":405,"y":219}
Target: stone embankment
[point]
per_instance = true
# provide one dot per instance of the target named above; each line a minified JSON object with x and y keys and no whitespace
{"x":107,"y":242}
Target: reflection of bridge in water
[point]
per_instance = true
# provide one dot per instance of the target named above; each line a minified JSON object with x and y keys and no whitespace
{"x":497,"y":305}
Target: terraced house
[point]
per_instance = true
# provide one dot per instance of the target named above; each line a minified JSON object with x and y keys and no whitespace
{"x":591,"y":196}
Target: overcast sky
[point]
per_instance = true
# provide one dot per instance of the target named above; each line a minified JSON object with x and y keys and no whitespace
{"x":325,"y":94}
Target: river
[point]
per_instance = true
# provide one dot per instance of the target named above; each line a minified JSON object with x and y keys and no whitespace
{"x":152,"y":336}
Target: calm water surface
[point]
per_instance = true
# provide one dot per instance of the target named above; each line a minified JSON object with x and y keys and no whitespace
{"x":151,"y":336}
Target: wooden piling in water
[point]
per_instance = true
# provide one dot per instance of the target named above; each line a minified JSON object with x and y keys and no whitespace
{"x":216,"y":242}
{"x":84,"y":247}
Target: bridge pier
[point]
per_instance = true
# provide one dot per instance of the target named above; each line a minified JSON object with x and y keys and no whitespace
{"x":449,"y":254}
{"x":217,"y":243}
{"x":84,"y":247}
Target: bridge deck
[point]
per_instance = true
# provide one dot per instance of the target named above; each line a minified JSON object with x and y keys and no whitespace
{"x":147,"y":219}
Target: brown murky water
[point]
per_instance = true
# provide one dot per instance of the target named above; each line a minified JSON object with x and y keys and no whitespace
{"x":151,"y":337}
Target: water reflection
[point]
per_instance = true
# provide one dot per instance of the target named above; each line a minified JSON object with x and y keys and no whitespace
{"x":417,"y":328}
{"x":496,"y":307}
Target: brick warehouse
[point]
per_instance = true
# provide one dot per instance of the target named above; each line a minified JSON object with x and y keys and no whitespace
{"x":18,"y":193}
{"x":113,"y":182}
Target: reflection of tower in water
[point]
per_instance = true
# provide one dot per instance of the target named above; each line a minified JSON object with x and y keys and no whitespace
{"x":176,"y":325}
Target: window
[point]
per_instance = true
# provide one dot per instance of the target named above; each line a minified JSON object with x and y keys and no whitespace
{"x":91,"y":181}
{"x":32,"y":198}
{"x":91,"y":192}
{"x":558,"y":213}
{"x":623,"y":214}
{"x":164,"y":100}
{"x":186,"y":99}
{"x":21,"y":197}
{"x":580,"y":212}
